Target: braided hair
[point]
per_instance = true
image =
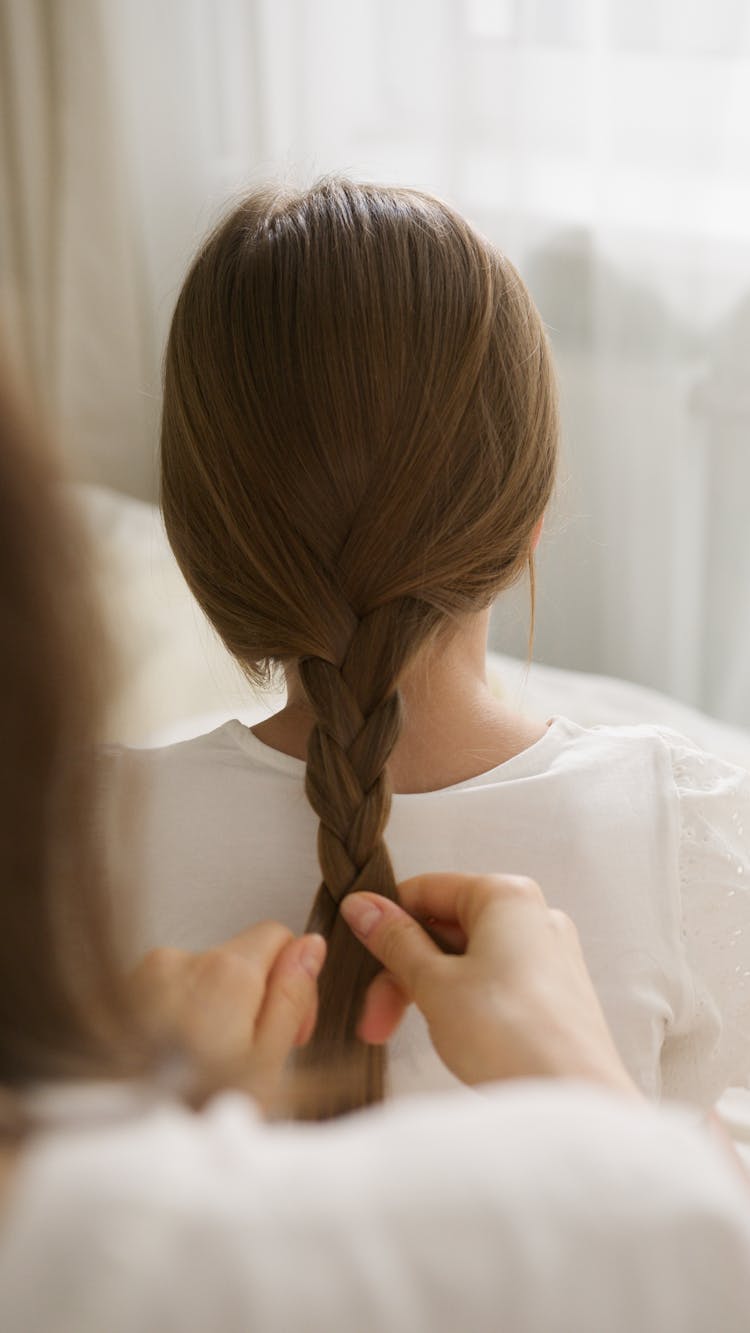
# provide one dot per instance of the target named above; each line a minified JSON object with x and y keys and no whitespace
{"x":359,"y":437}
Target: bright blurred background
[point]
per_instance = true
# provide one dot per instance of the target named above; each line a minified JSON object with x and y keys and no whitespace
{"x":603,"y":144}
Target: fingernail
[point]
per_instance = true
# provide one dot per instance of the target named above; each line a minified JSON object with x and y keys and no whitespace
{"x":361,"y":914}
{"x":313,"y":955}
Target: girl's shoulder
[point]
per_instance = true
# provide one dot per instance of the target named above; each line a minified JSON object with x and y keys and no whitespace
{"x":195,"y":746}
{"x":691,"y":767}
{"x":650,"y":752}
{"x":229,"y":746}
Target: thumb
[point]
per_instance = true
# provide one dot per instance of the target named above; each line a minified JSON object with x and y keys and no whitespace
{"x":394,"y":938}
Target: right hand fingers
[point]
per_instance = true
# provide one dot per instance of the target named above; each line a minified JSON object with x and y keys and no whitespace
{"x":494,"y":918}
{"x":519,"y":1003}
{"x":384,"y":1007}
{"x":460,"y":902}
{"x":463,"y":900}
{"x":394,"y":938}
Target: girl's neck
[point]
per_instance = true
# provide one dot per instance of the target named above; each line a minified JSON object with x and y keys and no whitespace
{"x":454,"y":727}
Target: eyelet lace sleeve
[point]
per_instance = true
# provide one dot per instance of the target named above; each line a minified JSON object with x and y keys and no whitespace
{"x":714,"y":871}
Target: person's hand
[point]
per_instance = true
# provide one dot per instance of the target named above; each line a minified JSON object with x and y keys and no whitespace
{"x":236,"y":1011}
{"x":517,"y":1003}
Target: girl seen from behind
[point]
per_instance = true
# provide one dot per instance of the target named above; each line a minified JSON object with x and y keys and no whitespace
{"x":358,"y":447}
{"x":120,"y":1208}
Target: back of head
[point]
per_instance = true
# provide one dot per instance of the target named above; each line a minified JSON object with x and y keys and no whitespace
{"x":358,"y":440}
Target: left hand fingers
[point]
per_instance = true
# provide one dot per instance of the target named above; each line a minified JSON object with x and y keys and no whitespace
{"x":158,"y":986}
{"x":224,"y":992}
{"x":227,"y":986}
{"x":287,"y":1016}
{"x":236,"y":1009}
{"x":260,"y":945}
{"x":220,"y":1003}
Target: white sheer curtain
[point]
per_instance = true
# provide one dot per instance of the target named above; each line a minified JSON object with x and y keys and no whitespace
{"x":605,"y":145}
{"x":71,"y":280}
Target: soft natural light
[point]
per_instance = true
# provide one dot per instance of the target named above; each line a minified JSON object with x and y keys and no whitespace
{"x":605,"y":146}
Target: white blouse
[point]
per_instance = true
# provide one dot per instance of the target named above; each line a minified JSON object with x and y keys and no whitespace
{"x":532,"y":1208}
{"x":642,"y":838}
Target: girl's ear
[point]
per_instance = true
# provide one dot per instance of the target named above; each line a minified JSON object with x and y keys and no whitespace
{"x":536,"y":535}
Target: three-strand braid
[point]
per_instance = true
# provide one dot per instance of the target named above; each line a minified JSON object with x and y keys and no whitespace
{"x":357,"y":709}
{"x":358,"y":442}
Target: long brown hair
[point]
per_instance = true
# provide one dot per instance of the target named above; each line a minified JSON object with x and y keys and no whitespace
{"x":359,"y":437}
{"x":63,"y":1004}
